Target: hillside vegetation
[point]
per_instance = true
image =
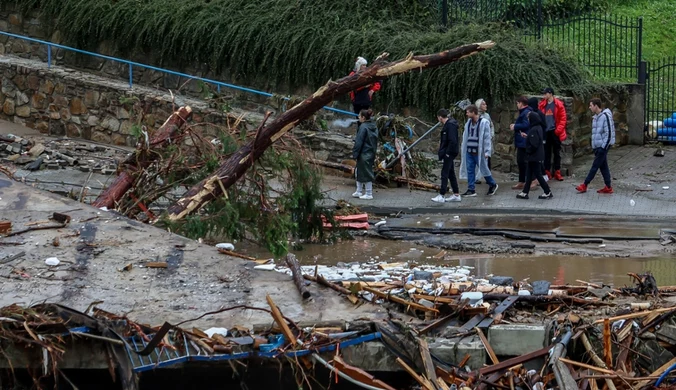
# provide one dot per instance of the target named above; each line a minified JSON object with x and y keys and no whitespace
{"x":307,"y":42}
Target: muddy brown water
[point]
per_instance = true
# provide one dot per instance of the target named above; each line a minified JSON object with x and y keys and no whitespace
{"x":556,"y":269}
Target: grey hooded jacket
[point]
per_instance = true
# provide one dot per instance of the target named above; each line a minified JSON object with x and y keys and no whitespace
{"x":603,"y":130}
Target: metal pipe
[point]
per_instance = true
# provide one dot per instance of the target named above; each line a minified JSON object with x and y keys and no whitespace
{"x":344,"y":376}
{"x":49,"y":56}
{"x":394,"y":161}
{"x":132,"y":63}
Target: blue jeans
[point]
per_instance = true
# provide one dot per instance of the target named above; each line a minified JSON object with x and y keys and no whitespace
{"x":472,"y":160}
{"x":600,"y":162}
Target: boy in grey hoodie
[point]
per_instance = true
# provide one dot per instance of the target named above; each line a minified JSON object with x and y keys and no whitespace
{"x":603,"y":136}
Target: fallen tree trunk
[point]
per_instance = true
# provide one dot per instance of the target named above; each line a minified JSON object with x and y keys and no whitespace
{"x":240,"y":161}
{"x":328,"y":164}
{"x":418,"y":183}
{"x":142,"y":158}
{"x":297,"y":275}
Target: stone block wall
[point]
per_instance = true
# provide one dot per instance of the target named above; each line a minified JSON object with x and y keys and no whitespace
{"x":60,"y":101}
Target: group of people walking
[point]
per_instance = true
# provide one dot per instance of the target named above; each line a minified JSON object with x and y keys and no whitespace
{"x":539,"y":131}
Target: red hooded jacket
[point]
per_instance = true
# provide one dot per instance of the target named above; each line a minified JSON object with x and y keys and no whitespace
{"x":559,"y":117}
{"x":360,"y":95}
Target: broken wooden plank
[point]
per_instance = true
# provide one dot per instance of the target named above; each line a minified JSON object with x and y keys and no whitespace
{"x":635,"y":315}
{"x":587,"y":366}
{"x":607,"y":344}
{"x":514,"y":361}
{"x":156,"y":264}
{"x":489,"y":350}
{"x":279,"y":319}
{"x":422,"y":381}
{"x":430,"y":373}
{"x":399,"y":300}
{"x":297,"y":275}
{"x":657,"y":373}
{"x":5,"y":227}
{"x":359,"y":374}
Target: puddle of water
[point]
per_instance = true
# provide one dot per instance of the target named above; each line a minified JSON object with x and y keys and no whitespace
{"x":556,"y":269}
{"x":575,"y":226}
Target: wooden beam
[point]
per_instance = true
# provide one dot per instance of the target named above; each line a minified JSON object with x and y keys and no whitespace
{"x":607,"y":344}
{"x":635,"y":315}
{"x":399,"y":300}
{"x":489,"y":350}
{"x":279,"y":319}
{"x":422,"y":381}
{"x":359,"y":374}
{"x":430,"y":373}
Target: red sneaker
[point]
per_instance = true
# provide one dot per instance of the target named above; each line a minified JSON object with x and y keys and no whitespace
{"x":557,"y":175}
{"x":582,"y":188}
{"x":605,"y":190}
{"x":549,"y":174}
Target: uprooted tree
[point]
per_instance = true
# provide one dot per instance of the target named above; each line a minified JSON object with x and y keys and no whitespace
{"x":239,"y":162}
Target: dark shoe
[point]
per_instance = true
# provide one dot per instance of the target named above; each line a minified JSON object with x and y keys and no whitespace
{"x":477,"y":182}
{"x":605,"y":190}
{"x":522,"y":195}
{"x":546,"y":196}
{"x":492,"y":189}
{"x":557,"y":175}
{"x":469,"y":193}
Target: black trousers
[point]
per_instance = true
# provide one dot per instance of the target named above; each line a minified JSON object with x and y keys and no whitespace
{"x":521,"y":162}
{"x":534,"y":171}
{"x":600,"y":162}
{"x":358,"y":107}
{"x":552,"y":147}
{"x":448,"y":172}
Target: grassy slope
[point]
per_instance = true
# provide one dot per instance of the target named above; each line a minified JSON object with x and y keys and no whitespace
{"x":659,"y":29}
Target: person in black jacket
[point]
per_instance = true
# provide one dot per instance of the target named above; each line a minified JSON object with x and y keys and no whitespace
{"x":535,"y":155}
{"x":448,"y":151}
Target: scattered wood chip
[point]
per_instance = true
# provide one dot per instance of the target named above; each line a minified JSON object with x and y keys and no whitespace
{"x":126,"y":268}
{"x":156,"y":264}
{"x":5,"y":227}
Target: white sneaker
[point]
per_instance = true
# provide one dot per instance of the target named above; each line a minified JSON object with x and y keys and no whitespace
{"x":439,"y":199}
{"x":366,"y":197}
{"x":454,"y":198}
{"x":357,"y":194}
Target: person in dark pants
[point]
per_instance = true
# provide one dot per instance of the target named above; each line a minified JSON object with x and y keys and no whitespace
{"x":533,"y":104}
{"x":555,"y":132}
{"x":520,"y":128}
{"x":535,"y":152}
{"x":448,"y":151}
{"x":363,"y":96}
{"x":603,"y":137}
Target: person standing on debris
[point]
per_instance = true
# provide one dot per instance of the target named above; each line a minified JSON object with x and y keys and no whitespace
{"x":520,"y":128}
{"x":364,"y":151}
{"x":603,"y":137}
{"x":363,"y":96}
{"x":476,"y":146}
{"x":535,"y":153}
{"x":555,"y":115}
{"x":448,"y":151}
{"x":483,"y":113}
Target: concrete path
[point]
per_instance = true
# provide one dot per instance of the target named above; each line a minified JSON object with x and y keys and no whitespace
{"x":638,"y":176}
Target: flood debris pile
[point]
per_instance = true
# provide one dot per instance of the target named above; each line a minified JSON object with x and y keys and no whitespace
{"x":631,"y":345}
{"x":59,"y":154}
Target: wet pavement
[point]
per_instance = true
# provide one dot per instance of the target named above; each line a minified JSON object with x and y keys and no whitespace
{"x":633,"y":169}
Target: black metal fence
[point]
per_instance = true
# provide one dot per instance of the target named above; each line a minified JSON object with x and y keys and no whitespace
{"x":520,"y":12}
{"x":608,"y":46}
{"x":660,"y":104}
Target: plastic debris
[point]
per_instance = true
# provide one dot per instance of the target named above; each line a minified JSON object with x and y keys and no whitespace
{"x":52,"y":261}
{"x":226,"y":245}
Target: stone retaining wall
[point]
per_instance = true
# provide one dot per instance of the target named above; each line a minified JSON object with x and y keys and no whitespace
{"x":60,"y":101}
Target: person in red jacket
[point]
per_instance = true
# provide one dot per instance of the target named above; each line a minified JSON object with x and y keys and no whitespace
{"x":555,"y":132}
{"x":362,"y":97}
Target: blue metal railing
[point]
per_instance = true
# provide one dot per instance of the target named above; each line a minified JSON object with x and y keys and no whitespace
{"x":131,"y":65}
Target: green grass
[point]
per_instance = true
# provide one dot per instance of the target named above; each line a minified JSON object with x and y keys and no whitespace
{"x":659,"y":27}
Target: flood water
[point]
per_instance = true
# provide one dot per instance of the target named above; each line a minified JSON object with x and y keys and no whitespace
{"x":556,"y":269}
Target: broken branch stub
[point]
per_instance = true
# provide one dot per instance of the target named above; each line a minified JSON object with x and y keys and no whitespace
{"x":239,"y":162}
{"x":141,"y":159}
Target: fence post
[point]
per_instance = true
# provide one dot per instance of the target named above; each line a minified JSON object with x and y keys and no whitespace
{"x":540,"y":23}
{"x":444,"y":13}
{"x":642,"y":72}
{"x":639,"y":46}
{"x":49,"y":56}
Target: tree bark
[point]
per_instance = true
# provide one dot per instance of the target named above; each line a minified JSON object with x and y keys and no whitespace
{"x":297,"y":275}
{"x":328,"y":164}
{"x":142,"y":158}
{"x":418,"y":183}
{"x":237,"y":165}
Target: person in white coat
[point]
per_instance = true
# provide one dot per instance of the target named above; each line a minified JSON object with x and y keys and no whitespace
{"x":476,"y":147}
